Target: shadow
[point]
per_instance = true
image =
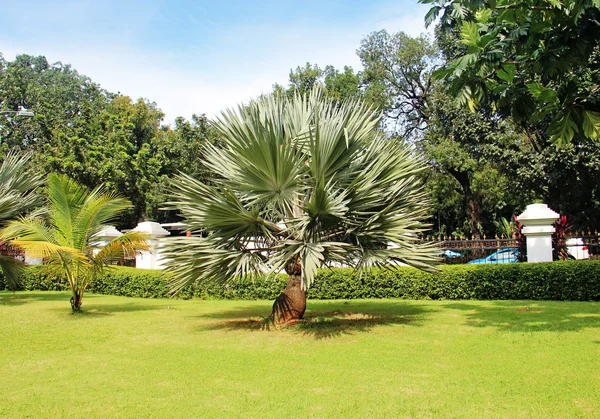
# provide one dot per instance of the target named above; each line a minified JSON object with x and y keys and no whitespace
{"x":251,"y":311}
{"x":531,"y":316}
{"x":110,"y":309}
{"x":321,"y":322}
{"x":25,"y":297}
{"x":121,"y":308}
{"x":90,"y":307}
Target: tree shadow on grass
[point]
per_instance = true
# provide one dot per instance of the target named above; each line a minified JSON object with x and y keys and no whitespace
{"x":90,"y":306}
{"x":10,"y":298}
{"x":531,"y":316}
{"x":326,"y":319}
{"x":110,"y":309}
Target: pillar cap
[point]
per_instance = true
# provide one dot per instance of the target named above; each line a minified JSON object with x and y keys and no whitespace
{"x":153,"y":229}
{"x":538,"y":214}
{"x":107,"y":233}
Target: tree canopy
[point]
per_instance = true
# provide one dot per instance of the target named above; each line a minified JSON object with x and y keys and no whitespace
{"x":532,"y":60}
{"x":96,"y":137}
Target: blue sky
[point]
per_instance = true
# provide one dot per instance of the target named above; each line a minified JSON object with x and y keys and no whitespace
{"x":198,"y":56}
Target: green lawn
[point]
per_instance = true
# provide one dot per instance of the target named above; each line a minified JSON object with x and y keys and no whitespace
{"x":370,"y":358}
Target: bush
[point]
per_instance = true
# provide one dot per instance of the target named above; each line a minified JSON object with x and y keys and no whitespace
{"x":561,"y":280}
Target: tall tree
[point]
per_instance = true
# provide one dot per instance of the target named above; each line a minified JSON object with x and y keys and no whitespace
{"x":533,"y":60}
{"x":461,"y":144}
{"x":535,"y":64}
{"x":397,"y":77}
{"x":298,"y":184}
{"x":400,"y":68}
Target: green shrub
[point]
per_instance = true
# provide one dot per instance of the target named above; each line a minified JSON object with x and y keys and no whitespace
{"x":562,"y":280}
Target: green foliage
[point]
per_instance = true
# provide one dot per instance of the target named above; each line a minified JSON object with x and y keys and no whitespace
{"x":338,"y":85}
{"x":18,"y":195}
{"x":566,"y":178}
{"x":573,"y":280}
{"x":469,"y":189}
{"x":64,"y":233}
{"x":532,"y":60}
{"x":97,"y":137}
{"x":397,"y":77}
{"x":561,"y":280}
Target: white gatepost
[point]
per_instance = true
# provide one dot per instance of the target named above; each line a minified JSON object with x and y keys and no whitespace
{"x":537,"y":220}
{"x":151,"y":258}
{"x":103,"y":237}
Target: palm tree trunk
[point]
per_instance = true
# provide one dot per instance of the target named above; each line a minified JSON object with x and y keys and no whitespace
{"x":76,"y":301}
{"x":290,"y":306}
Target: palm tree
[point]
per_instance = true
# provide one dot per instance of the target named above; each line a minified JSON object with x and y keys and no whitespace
{"x":64,"y":233}
{"x":298,"y":184}
{"x":18,"y":194}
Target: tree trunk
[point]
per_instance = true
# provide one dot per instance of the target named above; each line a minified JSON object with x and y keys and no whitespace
{"x":472,"y":206}
{"x":290,"y":306}
{"x":76,"y":300}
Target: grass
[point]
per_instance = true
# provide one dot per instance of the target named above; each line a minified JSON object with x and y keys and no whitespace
{"x":363,"y":358}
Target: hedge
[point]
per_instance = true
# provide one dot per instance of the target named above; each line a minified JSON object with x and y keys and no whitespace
{"x":561,"y":280}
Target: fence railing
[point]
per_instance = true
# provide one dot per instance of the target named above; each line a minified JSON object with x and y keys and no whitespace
{"x":577,"y":245}
{"x":454,"y":250}
{"x":6,"y":250}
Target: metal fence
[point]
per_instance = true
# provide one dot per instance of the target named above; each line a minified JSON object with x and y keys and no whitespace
{"x":455,"y":250}
{"x":6,"y":250}
{"x":573,"y":245}
{"x":577,"y":245}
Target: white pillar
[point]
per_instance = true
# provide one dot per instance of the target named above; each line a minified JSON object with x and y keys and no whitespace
{"x":103,"y":237}
{"x":151,"y":258}
{"x":537,"y":220}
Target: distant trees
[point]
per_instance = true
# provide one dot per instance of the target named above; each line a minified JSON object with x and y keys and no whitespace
{"x":94,"y":136}
{"x":338,"y":85}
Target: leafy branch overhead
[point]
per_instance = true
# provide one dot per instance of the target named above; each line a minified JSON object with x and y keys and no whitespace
{"x":532,"y":60}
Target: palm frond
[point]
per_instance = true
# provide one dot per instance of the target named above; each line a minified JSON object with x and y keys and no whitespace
{"x":126,"y":245}
{"x":32,"y":228}
{"x":199,"y":259}
{"x":18,"y":184}
{"x":12,"y":270}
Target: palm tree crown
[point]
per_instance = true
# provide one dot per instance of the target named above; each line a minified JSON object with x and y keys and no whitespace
{"x":305,"y":181}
